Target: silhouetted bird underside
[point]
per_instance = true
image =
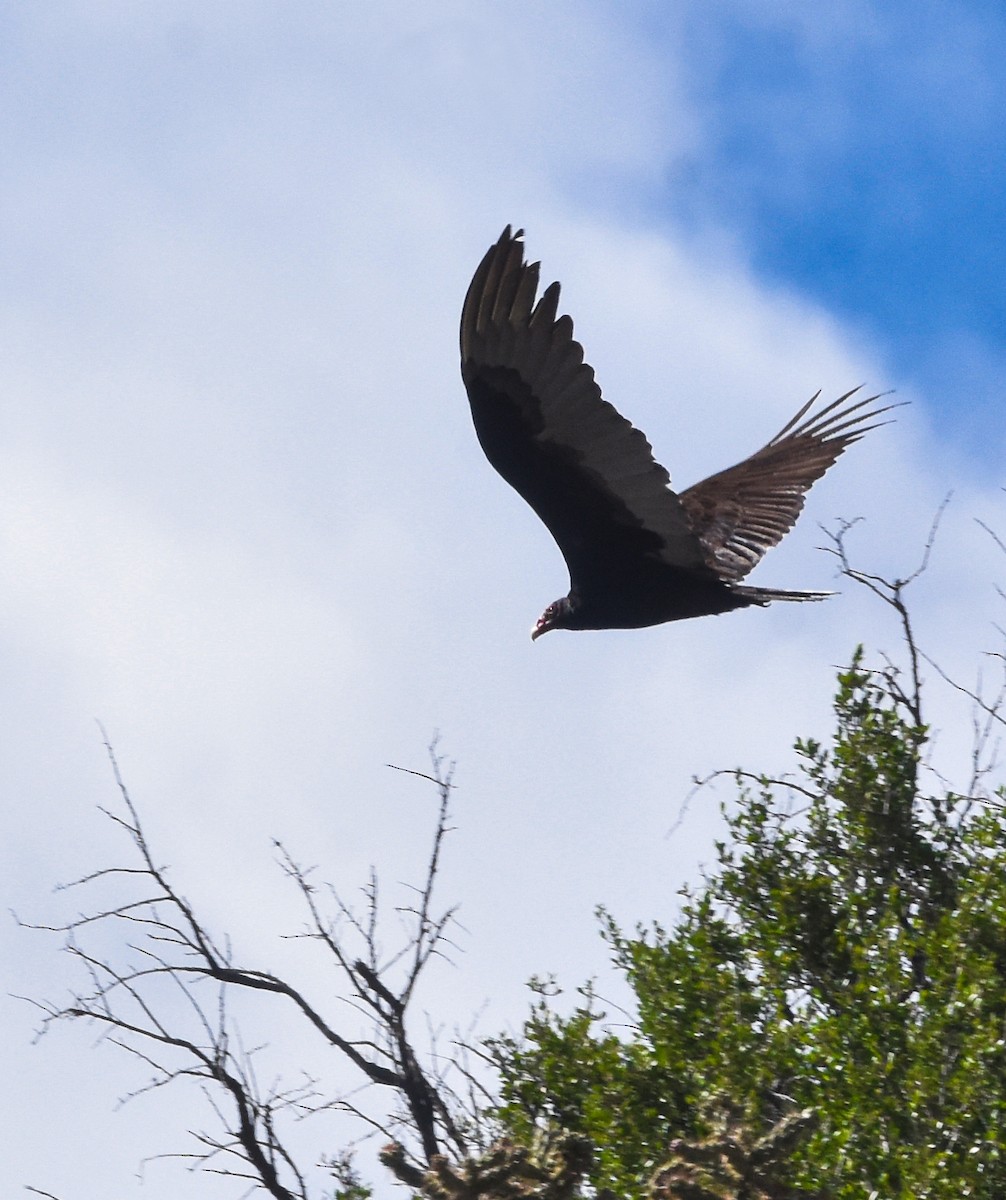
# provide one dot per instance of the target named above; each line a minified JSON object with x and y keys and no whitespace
{"x":638,"y":553}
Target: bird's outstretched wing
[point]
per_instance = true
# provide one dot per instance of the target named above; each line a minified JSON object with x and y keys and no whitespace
{"x":587,"y":473}
{"x":740,"y":513}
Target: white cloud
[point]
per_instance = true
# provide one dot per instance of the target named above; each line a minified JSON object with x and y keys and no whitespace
{"x":245,"y":521}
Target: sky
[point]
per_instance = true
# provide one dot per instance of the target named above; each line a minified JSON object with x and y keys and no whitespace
{"x":245,"y":522}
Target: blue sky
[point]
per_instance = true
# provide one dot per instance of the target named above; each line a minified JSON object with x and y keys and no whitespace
{"x":245,"y":521}
{"x":858,"y":155}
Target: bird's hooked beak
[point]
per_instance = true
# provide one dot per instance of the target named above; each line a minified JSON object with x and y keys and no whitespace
{"x":555,"y":616}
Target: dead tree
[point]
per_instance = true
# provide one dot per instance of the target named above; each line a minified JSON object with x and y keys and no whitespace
{"x":167,"y":953}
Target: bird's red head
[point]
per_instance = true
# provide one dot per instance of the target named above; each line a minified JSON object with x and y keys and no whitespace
{"x":556,"y":616}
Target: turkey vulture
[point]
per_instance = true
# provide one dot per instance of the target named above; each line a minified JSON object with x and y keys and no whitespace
{"x":638,"y":553}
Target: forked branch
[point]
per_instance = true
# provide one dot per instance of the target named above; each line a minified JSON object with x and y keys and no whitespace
{"x":170,"y":955}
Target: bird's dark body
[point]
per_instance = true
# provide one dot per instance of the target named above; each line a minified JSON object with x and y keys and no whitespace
{"x":653,"y":597}
{"x":624,"y":584}
{"x":638,"y":553}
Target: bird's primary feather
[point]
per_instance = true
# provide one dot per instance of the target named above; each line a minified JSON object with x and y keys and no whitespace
{"x":747,"y":509}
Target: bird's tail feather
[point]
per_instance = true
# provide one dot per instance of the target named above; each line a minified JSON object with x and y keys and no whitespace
{"x":763,"y":596}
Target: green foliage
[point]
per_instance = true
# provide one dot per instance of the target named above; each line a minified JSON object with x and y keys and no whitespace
{"x":845,"y":958}
{"x":349,"y":1184}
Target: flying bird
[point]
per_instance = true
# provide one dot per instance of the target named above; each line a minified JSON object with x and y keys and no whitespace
{"x":638,"y":553}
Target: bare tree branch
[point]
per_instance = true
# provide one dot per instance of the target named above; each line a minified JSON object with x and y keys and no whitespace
{"x":891,"y":592}
{"x":169,"y":955}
